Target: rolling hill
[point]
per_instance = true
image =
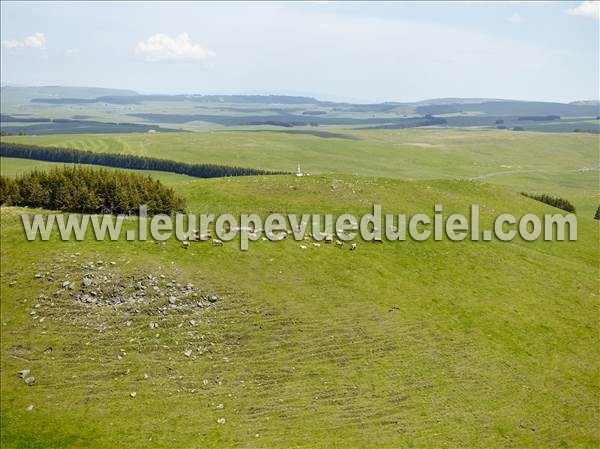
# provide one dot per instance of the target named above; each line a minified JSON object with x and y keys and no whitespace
{"x":395,"y":345}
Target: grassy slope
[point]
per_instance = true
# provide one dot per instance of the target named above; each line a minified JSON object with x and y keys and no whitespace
{"x":524,"y":161}
{"x":412,"y":344}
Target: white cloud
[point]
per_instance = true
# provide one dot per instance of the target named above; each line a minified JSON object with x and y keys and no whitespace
{"x":36,"y":40}
{"x":515,"y":18}
{"x":162,"y":47}
{"x":586,"y":9}
{"x":72,"y":52}
{"x":11,"y":44}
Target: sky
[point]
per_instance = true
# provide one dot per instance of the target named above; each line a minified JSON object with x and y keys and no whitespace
{"x":344,"y":51}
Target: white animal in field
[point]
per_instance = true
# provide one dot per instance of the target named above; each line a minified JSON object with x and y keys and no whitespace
{"x":303,"y":246}
{"x":353,"y":247}
{"x":217,"y":242}
{"x":339,"y":243}
{"x":316,"y":245}
{"x":185,"y":244}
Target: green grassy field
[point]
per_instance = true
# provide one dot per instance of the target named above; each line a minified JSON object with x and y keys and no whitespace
{"x":537,"y":162}
{"x":408,"y":344}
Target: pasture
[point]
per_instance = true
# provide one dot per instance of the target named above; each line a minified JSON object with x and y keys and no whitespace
{"x":406,"y":344}
{"x":560,"y":164}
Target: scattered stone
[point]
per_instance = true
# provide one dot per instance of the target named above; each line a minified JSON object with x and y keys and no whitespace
{"x":221,"y":421}
{"x":30,"y":381}
{"x":66,"y":284}
{"x":187,"y":353}
{"x":30,"y":408}
{"x":205,"y":382}
{"x":213,"y":298}
{"x":220,"y":406}
{"x":12,"y":283}
{"x":133,"y":394}
{"x":87,"y":281}
{"x":24,"y":373}
{"x":145,"y":375}
{"x":172,"y":300}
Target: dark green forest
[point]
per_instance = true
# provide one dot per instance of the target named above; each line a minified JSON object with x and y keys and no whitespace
{"x":89,"y":190}
{"x":555,"y":201}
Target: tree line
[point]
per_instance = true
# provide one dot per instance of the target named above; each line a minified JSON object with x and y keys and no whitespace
{"x":89,"y":190}
{"x":555,"y":201}
{"x":128,"y":161}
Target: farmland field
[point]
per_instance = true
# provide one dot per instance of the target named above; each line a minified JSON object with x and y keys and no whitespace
{"x":388,"y":336}
{"x":300,"y":225}
{"x":489,"y":344}
{"x":560,"y":164}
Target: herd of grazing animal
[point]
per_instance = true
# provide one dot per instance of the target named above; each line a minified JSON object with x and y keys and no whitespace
{"x":279,"y":236}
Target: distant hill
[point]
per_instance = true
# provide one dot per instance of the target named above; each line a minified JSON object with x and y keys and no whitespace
{"x":137,"y":99}
{"x":89,"y":95}
{"x":441,"y":101}
{"x":586,"y":103}
{"x":24,"y":94}
{"x":509,"y":107}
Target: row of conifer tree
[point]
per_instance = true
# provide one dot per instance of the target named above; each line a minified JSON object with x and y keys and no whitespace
{"x":128,"y":161}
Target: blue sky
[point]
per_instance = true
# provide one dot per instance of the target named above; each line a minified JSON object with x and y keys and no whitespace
{"x":358,"y":51}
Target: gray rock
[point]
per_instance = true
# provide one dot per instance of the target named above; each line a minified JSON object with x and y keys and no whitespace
{"x":30,"y":408}
{"x":30,"y":381}
{"x":221,"y":421}
{"x":187,"y":353}
{"x":213,"y":298}
{"x":172,"y":299}
{"x":87,"y":281}
{"x":133,"y":394}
